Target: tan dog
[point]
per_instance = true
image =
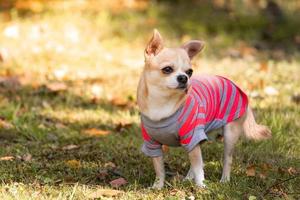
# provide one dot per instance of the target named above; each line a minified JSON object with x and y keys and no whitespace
{"x":164,"y":88}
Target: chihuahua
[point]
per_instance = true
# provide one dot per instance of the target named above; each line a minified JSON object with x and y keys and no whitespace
{"x":178,"y":109}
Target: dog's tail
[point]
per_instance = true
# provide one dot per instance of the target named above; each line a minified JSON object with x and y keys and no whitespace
{"x":255,"y":131}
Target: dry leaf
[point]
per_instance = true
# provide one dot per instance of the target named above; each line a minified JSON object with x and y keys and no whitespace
{"x":165,"y":148}
{"x":118,"y":182}
{"x":262,"y":175}
{"x":263,"y":66}
{"x":102,"y":175}
{"x":27,"y":157}
{"x":292,"y":171}
{"x":220,"y":138}
{"x":266,"y":167}
{"x":281,"y":170}
{"x":96,"y":132}
{"x":120,"y":102}
{"x":57,"y":86}
{"x":120,"y":127}
{"x":110,"y":165}
{"x":74,"y":164}
{"x":60,"y":125}
{"x":104,"y":193}
{"x":7,"y":158}
{"x":10,"y":82}
{"x":4,"y":124}
{"x":250,"y":170}
{"x":70,"y":147}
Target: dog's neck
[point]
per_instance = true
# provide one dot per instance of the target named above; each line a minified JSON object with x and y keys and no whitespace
{"x":157,"y":104}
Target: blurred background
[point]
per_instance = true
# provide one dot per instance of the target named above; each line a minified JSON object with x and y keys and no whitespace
{"x":98,"y":39}
{"x":69,"y":71}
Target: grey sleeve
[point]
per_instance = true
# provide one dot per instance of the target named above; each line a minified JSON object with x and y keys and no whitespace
{"x":152,"y":149}
{"x":197,"y":136}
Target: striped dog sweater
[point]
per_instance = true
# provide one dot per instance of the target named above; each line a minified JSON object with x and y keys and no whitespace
{"x":212,"y":102}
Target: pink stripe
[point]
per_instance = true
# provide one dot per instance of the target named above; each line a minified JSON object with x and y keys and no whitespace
{"x":188,"y":102}
{"x":182,"y":130}
{"x":209,"y":107}
{"x":228,"y":96}
{"x":201,"y":109}
{"x":194,"y":124}
{"x":145,"y":134}
{"x":201,"y":90}
{"x":186,"y":141}
{"x":212,"y":100}
{"x":223,"y":89}
{"x":217,"y":88}
{"x":235,"y":106}
{"x":201,"y":96}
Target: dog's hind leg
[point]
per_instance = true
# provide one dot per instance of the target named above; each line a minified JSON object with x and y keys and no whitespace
{"x":232,"y":132}
{"x":190,"y":175}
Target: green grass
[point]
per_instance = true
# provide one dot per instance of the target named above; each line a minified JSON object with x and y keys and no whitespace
{"x":99,"y":56}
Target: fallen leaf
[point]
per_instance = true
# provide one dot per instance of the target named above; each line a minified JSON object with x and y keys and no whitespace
{"x":250,"y":170}
{"x":281,"y":170}
{"x":57,"y":86}
{"x":165,"y":148}
{"x":7,"y":158}
{"x":104,"y":193}
{"x":220,"y":138}
{"x":266,"y":167}
{"x":60,"y":125}
{"x":191,"y":197}
{"x":74,"y":164}
{"x":27,"y":157}
{"x":4,"y":124}
{"x":262,"y":175}
{"x":102,"y":175}
{"x":118,"y":182}
{"x":121,"y":126}
{"x":10,"y":82}
{"x":251,"y":197}
{"x":110,"y":165}
{"x":120,"y":102}
{"x":292,"y":171}
{"x":70,"y":147}
{"x":263,"y":66}
{"x":96,"y":132}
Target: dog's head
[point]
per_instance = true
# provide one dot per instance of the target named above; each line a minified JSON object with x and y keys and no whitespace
{"x":170,"y":69}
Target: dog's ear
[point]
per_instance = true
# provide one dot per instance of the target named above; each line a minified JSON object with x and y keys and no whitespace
{"x":193,"y":47}
{"x":155,"y":45}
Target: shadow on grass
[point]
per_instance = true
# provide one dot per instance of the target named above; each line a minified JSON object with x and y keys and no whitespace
{"x":265,"y":28}
{"x":98,"y":160}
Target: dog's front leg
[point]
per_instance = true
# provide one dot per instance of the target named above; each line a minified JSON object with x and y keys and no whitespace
{"x":158,"y":163}
{"x":197,"y":165}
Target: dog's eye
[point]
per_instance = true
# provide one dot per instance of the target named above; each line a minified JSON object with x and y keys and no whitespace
{"x":189,"y":72}
{"x":167,"y":70}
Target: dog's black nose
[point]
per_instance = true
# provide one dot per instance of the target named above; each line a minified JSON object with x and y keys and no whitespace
{"x":182,"y":79}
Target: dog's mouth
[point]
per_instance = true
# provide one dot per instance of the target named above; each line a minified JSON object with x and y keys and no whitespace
{"x":183,"y":87}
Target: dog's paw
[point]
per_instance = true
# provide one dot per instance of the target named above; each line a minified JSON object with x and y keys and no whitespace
{"x":225,"y":179}
{"x":190,"y":176}
{"x":158,"y":184}
{"x":201,"y":185}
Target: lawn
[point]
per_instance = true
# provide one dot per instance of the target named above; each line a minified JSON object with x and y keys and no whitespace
{"x":69,"y":123}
